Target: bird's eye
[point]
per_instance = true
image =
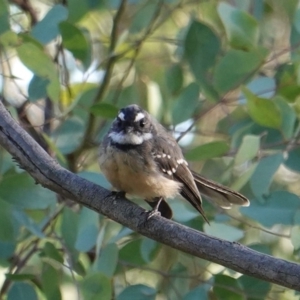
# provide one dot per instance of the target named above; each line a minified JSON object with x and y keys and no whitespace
{"x":142,"y":122}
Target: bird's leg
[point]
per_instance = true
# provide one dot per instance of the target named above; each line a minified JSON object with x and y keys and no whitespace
{"x":155,"y":211}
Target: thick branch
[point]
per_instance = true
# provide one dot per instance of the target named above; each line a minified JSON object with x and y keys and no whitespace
{"x":51,"y":175}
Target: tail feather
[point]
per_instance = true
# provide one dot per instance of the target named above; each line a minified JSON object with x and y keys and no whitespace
{"x":219,"y":194}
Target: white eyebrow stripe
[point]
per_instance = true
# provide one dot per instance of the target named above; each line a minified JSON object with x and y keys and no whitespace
{"x":139,"y":117}
{"x":121,"y":116}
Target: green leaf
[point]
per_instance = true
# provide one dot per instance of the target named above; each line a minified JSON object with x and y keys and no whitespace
{"x":185,"y":105}
{"x":96,"y":178}
{"x":295,"y":237}
{"x":223,"y":231}
{"x":137,"y":292}
{"x":279,"y":208}
{"x":24,"y":220}
{"x":201,"y":47}
{"x":209,"y":150}
{"x":77,"y":9}
{"x":41,"y":65}
{"x":227,"y":288}
{"x":7,"y":250}
{"x":21,"y":291}
{"x":50,"y":280}
{"x":263,"y":175}
{"x":75,"y":41}
{"x":69,"y":228}
{"x":149,"y":249}
{"x":20,"y":190}
{"x":9,"y":38}
{"x":288,"y":117}
{"x":241,"y":29}
{"x":128,"y":249}
{"x":143,"y":17}
{"x":245,"y":65}
{"x":107,"y":260}
{"x":248,"y":149}
{"x":197,"y":293}
{"x":19,"y":277}
{"x":293,"y":160}
{"x":37,"y":88}
{"x":263,"y":111}
{"x":96,"y":286}
{"x":8,"y":232}
{"x":69,"y":135}
{"x":104,"y":110}
{"x":287,"y":81}
{"x":50,"y":251}
{"x":174,"y":78}
{"x":4,"y":16}
{"x":87,"y":230}
{"x":254,"y":288}
{"x":244,"y":178}
{"x":47,"y":29}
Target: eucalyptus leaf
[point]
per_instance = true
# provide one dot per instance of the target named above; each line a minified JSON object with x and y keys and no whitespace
{"x":137,"y":292}
{"x":279,"y":208}
{"x":209,"y":150}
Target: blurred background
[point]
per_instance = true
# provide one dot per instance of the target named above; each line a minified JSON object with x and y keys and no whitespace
{"x":222,"y":76}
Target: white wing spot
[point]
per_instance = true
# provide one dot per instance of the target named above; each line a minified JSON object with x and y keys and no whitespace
{"x":179,"y":161}
{"x":158,"y":156}
{"x":121,"y":116}
{"x":169,"y":172}
{"x":164,"y":155}
{"x":169,"y":156}
{"x":164,"y":170}
{"x":173,"y":170}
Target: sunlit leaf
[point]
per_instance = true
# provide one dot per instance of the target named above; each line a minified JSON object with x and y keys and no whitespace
{"x":248,"y":149}
{"x":263,"y":111}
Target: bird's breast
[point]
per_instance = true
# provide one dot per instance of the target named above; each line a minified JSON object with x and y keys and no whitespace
{"x":130,"y":172}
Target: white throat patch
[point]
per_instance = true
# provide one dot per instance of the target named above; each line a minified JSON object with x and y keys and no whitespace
{"x":129,"y":138}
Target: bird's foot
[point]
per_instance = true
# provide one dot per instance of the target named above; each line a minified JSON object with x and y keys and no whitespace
{"x":152,"y":213}
{"x":118,"y":195}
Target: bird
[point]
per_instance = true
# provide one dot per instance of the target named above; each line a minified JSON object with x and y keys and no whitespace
{"x":139,"y":157}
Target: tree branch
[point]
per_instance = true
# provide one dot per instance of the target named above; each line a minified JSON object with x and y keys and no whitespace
{"x":51,"y":175}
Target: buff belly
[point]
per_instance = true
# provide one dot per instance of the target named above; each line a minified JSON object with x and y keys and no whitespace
{"x":130,"y":174}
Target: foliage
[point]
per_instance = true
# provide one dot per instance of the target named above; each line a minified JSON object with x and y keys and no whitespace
{"x":225,"y":78}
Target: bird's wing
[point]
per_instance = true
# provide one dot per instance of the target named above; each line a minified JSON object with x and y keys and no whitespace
{"x":169,"y":159}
